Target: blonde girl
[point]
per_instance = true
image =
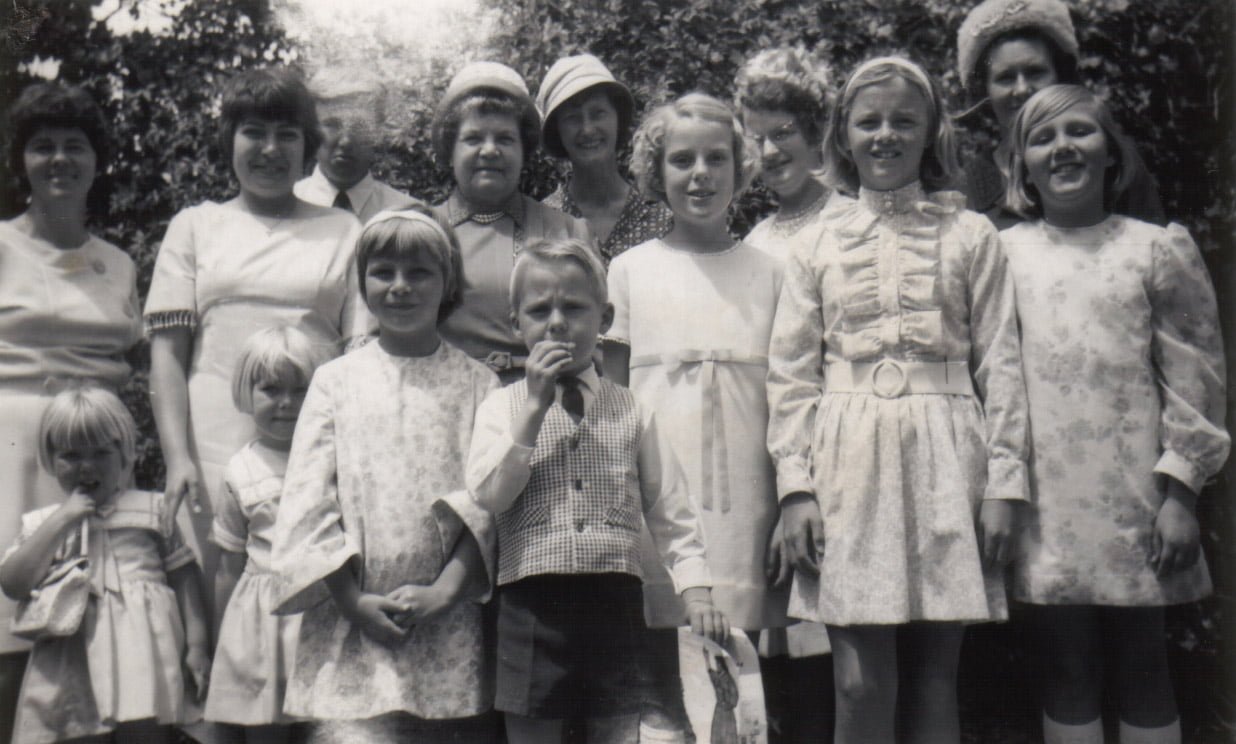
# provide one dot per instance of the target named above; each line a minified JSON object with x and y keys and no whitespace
{"x":1125,"y":376}
{"x":897,"y":411}
{"x":376,"y":537}
{"x":253,"y":655}
{"x":693,"y":314}
{"x":140,"y":660}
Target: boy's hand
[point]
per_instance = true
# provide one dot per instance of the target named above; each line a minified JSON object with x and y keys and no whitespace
{"x":803,"y":532}
{"x":705,"y":619}
{"x":777,"y":567}
{"x":423,"y":602}
{"x":997,"y":531}
{"x":374,"y":614}
{"x":1176,"y":542}
{"x":197,"y":663}
{"x":546,"y":360}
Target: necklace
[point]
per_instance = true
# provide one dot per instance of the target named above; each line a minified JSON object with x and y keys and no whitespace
{"x":784,"y":224}
{"x":487,"y":218}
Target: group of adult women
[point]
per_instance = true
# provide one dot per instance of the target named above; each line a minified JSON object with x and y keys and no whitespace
{"x":69,"y":306}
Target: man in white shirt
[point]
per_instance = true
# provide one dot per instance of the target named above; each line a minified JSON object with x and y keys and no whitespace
{"x":351,"y":110}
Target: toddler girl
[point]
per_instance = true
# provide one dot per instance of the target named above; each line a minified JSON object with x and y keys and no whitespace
{"x":144,"y":631}
{"x":253,"y":656}
{"x":693,"y":313}
{"x":897,"y":411}
{"x":376,"y":537}
{"x":1125,"y":374}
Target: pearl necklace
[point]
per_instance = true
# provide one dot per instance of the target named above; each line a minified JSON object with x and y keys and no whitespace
{"x":787,"y":224}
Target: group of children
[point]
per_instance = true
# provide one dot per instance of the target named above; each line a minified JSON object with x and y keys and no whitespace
{"x":904,"y":406}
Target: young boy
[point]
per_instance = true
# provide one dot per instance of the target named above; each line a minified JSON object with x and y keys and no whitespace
{"x":351,"y":109}
{"x":569,"y":464}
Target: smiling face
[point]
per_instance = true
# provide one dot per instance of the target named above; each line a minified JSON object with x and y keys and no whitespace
{"x":487,"y":159}
{"x":557,"y":302}
{"x":268,"y":157}
{"x":698,"y":168}
{"x":404,"y":291}
{"x":59,"y":163}
{"x":1016,"y":70}
{"x":276,"y":404}
{"x":96,"y":469}
{"x":588,"y":127}
{"x":1067,"y":158}
{"x":886,"y":134}
{"x":786,"y":157}
{"x":349,"y":133}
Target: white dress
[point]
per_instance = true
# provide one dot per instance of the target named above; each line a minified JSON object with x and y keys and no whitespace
{"x":698,"y":326}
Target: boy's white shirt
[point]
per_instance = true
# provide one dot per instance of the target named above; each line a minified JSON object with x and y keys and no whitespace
{"x":368,"y":195}
{"x":499,"y":468}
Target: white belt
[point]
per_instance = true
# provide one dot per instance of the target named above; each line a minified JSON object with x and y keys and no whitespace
{"x":890,"y":378}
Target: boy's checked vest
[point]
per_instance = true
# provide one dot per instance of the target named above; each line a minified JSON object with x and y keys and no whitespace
{"x":581,"y":511}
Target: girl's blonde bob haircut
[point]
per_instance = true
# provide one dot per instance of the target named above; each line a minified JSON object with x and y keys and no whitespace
{"x":280,"y":354}
{"x":648,"y":150}
{"x":938,"y":169}
{"x":423,"y":233}
{"x":87,"y":415}
{"x":1020,"y":195}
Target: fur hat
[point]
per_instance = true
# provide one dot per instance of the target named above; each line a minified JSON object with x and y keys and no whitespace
{"x":991,"y":18}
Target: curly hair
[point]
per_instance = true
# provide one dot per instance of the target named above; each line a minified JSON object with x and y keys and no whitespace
{"x":648,"y":149}
{"x":270,"y":94}
{"x":788,"y":79}
{"x":486,"y":102}
{"x":55,"y":105}
{"x":939,"y":168}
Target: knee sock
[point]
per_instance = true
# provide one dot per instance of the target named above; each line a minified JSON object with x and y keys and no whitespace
{"x":1055,"y":732}
{"x":1169,"y":734}
{"x":651,"y":735}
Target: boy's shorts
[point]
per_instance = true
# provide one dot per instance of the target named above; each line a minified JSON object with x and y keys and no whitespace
{"x":573,"y":646}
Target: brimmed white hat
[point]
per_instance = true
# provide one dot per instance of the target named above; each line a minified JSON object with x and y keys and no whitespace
{"x":569,"y":77}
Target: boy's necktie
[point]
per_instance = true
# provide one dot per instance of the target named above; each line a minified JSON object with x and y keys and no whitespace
{"x":572,"y":398}
{"x":342,"y":201}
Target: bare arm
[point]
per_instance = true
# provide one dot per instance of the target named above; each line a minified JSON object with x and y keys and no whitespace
{"x":170,"y":351}
{"x":231,"y":566}
{"x":186,"y":581}
{"x":464,"y":571}
{"x":27,"y":566}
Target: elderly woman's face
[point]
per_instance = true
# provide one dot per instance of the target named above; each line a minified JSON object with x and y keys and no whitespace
{"x":268,"y":156}
{"x":1016,"y":70}
{"x":60,"y":163}
{"x":487,"y":158}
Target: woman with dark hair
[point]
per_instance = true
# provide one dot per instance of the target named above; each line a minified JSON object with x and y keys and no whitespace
{"x":70,"y":308}
{"x":1007,"y":50}
{"x":228,"y":269}
{"x":485,"y":128}
{"x":587,"y":118}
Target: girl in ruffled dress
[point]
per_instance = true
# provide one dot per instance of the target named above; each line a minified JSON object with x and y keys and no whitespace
{"x":253,"y":655}
{"x":897,"y":412}
{"x":140,"y":660}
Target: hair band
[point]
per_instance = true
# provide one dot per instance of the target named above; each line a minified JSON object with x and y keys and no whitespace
{"x":900,"y":63}
{"x":412,"y":215}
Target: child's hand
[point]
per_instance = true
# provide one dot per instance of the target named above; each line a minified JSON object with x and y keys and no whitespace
{"x":705,"y":619}
{"x":423,"y":602}
{"x":197,"y":664}
{"x":78,"y":505}
{"x":997,"y":531}
{"x":546,"y":360}
{"x":777,"y":567}
{"x":1176,"y":542}
{"x":182,"y":483}
{"x":374,"y":614}
{"x":803,"y":532}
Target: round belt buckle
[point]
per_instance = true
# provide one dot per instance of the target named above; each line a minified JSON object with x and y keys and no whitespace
{"x":889,"y":379}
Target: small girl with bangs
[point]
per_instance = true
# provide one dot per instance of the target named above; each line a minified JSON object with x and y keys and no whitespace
{"x":1125,"y":376}
{"x":703,"y":373}
{"x":377,"y":539}
{"x":140,"y":661}
{"x":898,"y":412}
{"x":254,"y":651}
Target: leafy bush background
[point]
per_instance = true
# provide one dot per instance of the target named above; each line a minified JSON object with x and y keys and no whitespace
{"x":1166,"y":65}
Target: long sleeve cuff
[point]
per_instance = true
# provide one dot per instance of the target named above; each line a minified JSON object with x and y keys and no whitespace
{"x":793,"y":476}
{"x":1007,"y":480}
{"x":690,"y":572}
{"x":1182,"y":469}
{"x":456,"y":507}
{"x":302,"y":585}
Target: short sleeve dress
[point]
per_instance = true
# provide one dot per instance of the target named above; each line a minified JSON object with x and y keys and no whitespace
{"x":376,"y":481}
{"x":225,"y":273}
{"x":908,"y":277}
{"x":1125,"y":375}
{"x":703,"y":373}
{"x":124,"y":663}
{"x":254,"y":651}
{"x":64,"y":314}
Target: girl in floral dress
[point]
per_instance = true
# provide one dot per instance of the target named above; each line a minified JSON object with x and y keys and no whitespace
{"x":1125,"y":376}
{"x":376,"y":538}
{"x":897,"y":410}
{"x":253,"y":655}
